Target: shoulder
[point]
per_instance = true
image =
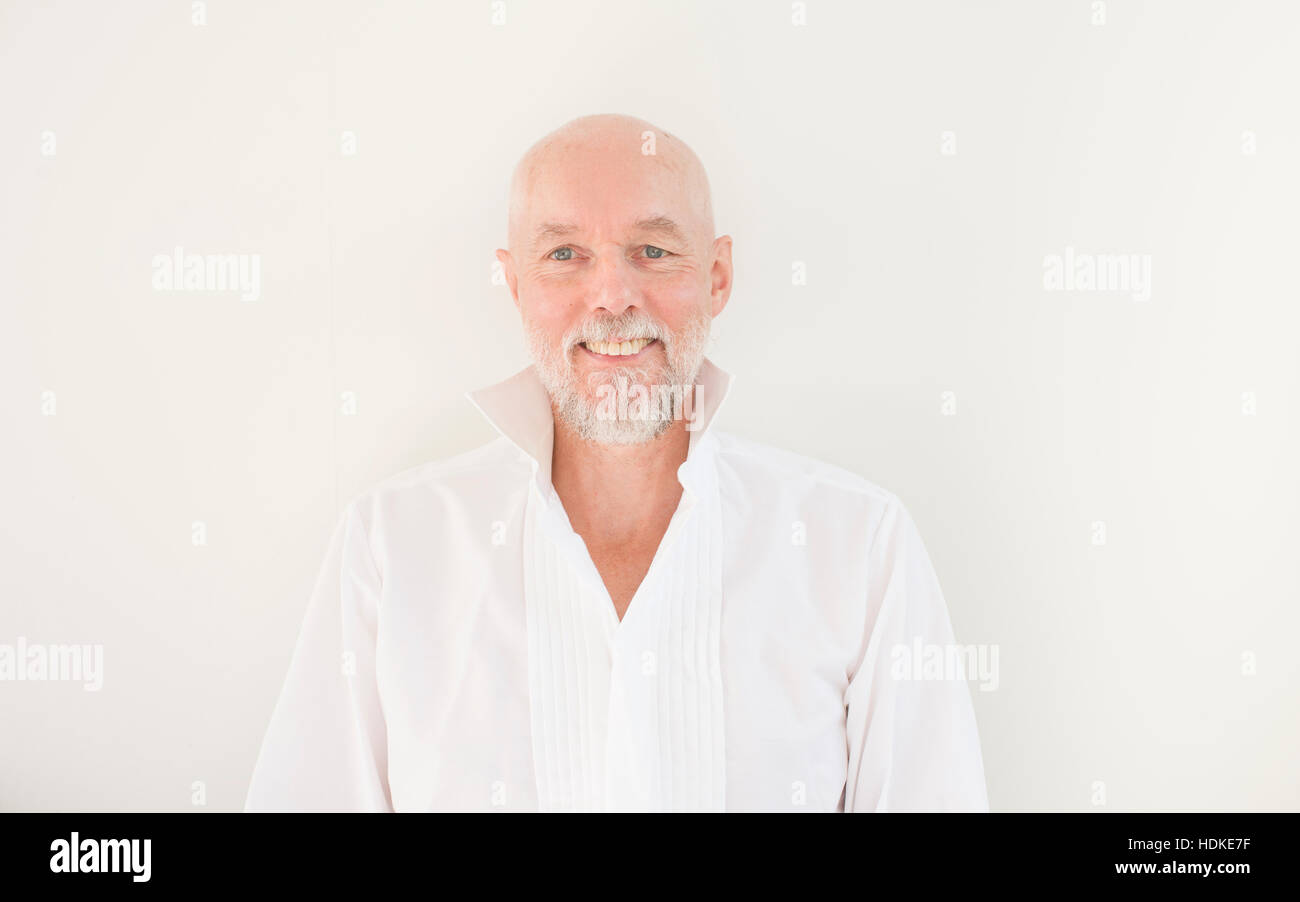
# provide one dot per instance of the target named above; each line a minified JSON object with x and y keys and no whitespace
{"x":477,"y":475}
{"x":787,"y":468}
{"x":773,"y":481}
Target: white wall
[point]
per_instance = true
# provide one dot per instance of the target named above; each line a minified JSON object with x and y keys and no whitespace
{"x":1119,"y":663}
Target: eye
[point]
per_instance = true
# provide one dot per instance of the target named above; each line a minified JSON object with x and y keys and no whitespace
{"x":561,"y":250}
{"x":655,"y":253}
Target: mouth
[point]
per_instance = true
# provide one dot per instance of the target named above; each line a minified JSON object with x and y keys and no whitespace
{"x":621,"y":350}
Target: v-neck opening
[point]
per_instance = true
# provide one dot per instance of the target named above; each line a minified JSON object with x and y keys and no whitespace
{"x":616,"y":626}
{"x":619,"y":626}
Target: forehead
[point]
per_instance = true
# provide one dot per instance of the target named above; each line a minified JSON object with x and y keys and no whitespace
{"x":606,"y":188}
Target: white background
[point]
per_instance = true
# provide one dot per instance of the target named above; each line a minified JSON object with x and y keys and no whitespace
{"x":1119,"y":663}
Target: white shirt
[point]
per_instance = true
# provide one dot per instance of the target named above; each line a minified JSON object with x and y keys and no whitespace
{"x":460,"y":651}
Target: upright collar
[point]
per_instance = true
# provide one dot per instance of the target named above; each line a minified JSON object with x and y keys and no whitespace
{"x":520,"y":409}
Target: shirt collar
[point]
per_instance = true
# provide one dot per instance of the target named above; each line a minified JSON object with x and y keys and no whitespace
{"x":520,"y":409}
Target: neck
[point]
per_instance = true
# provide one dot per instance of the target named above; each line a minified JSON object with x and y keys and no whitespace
{"x":617,"y":492}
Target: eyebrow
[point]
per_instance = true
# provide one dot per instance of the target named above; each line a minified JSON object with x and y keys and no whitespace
{"x":657,"y":224}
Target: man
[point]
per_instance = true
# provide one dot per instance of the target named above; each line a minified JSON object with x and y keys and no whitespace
{"x":614,"y":606}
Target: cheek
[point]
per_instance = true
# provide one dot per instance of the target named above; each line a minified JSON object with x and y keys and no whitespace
{"x":550,"y":302}
{"x":548,"y":308}
{"x":676,"y":302}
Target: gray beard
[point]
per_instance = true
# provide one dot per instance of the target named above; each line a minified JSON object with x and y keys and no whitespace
{"x":621,"y":405}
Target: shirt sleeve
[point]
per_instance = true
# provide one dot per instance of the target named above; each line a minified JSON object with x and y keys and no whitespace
{"x":913,"y":742}
{"x":326,"y":748}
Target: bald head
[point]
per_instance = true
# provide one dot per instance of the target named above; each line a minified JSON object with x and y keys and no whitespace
{"x":620,"y":150}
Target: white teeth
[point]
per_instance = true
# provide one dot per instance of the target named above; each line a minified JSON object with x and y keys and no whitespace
{"x":618,"y":349}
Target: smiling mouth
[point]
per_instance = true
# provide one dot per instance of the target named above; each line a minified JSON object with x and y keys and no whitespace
{"x":629,"y":348}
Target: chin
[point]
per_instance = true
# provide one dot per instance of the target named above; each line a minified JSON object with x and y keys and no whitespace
{"x":590,"y":419}
{"x":625,"y":432}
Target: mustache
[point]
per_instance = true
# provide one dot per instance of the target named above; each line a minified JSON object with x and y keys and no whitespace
{"x":603,"y":328}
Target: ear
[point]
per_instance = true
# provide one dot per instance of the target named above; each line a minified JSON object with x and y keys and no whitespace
{"x":720,"y":274}
{"x":508,"y":268}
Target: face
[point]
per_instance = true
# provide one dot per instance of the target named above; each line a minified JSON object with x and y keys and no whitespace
{"x":617,"y":280}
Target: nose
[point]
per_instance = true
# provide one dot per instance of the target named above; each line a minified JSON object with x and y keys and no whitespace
{"x":613,"y":287}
